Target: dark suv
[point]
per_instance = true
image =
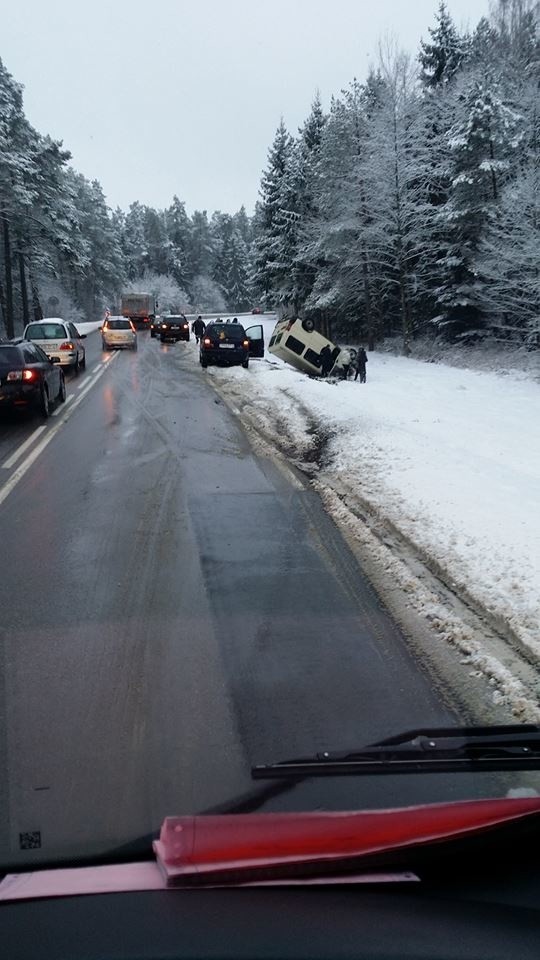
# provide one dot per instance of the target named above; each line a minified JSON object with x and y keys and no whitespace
{"x":230,"y":345}
{"x":173,"y":328}
{"x":28,"y":378}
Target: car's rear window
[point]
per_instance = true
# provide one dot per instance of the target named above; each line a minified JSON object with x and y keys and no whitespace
{"x":46,"y":331}
{"x":233,"y":331}
{"x":10,"y":356}
{"x":118,"y":325}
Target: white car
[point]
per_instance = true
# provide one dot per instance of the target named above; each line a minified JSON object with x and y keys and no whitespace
{"x":296,"y":342}
{"x":118,"y":332}
{"x":60,"y":340}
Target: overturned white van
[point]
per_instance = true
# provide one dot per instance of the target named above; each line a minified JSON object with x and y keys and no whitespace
{"x":298,"y":343}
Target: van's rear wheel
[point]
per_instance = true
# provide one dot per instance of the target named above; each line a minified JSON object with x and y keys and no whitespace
{"x":308,"y":325}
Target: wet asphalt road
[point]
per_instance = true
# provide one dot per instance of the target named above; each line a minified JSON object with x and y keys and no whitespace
{"x":174,"y":608}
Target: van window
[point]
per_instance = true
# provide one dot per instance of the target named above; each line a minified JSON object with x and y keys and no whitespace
{"x":295,"y":345}
{"x":312,"y":357}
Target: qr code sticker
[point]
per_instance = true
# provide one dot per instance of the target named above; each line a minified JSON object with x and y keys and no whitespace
{"x":30,"y":840}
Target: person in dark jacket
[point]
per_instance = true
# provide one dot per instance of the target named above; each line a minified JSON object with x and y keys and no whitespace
{"x":326,"y":361}
{"x":361,"y":360}
{"x":198,"y":327}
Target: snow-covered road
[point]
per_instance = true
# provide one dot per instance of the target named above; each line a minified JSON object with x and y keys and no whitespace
{"x":451,"y":457}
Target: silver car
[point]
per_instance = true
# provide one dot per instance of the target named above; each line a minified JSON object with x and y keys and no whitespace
{"x":60,"y":340}
{"x":118,"y":332}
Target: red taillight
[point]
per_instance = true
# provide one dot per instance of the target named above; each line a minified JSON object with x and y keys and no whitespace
{"x":21,"y":375}
{"x":207,"y":342}
{"x":67,"y":346}
{"x":145,"y":320}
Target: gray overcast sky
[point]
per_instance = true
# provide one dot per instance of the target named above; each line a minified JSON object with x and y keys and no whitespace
{"x":161,"y":97}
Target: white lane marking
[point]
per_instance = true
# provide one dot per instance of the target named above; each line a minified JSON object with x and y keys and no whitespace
{"x":40,"y":447}
{"x":96,"y":368}
{"x":9,"y":463}
{"x":59,"y":410}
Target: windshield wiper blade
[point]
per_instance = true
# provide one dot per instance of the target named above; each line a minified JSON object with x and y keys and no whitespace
{"x":437,"y":750}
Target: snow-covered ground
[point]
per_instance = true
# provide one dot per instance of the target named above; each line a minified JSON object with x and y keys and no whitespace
{"x":451,"y":457}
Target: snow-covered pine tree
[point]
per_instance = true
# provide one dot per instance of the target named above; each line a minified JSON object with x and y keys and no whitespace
{"x":268,"y":259}
{"x":509,"y":250}
{"x":443,"y":55}
{"x":508,"y":262}
{"x":133,"y":241}
{"x":18,"y":142}
{"x":394,"y":173}
{"x":330,"y":233}
{"x":202,"y":250}
{"x":178,"y":227}
{"x":242,"y":224}
{"x":307,"y":155}
{"x":238,"y":293}
{"x":160,"y":250}
{"x":102,"y":277}
{"x":485,"y":135}
{"x":207,"y":295}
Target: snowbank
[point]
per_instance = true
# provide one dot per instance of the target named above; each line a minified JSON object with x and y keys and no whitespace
{"x":450,"y":457}
{"x":89,"y":327}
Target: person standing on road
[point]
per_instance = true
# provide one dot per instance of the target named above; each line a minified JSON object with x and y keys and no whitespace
{"x":198,"y":327}
{"x":361,"y":360}
{"x":326,"y":361}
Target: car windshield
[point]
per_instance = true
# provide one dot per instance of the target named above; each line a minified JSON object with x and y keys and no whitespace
{"x":45,"y":331}
{"x":310,"y":521}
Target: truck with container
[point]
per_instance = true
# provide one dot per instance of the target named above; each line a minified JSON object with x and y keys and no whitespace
{"x":140,"y":308}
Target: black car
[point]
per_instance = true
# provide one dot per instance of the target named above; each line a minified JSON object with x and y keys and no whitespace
{"x":28,"y":379}
{"x":155,"y":324}
{"x":228,"y":344}
{"x":174,"y":328}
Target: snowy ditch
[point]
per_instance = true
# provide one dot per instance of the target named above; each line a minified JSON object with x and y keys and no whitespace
{"x":435,"y":473}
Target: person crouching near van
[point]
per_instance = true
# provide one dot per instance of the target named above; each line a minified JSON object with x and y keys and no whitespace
{"x":343,"y":362}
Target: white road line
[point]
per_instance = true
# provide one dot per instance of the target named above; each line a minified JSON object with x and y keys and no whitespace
{"x":40,"y":447}
{"x":12,"y":460}
{"x":96,"y":368}
{"x":61,"y":409}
